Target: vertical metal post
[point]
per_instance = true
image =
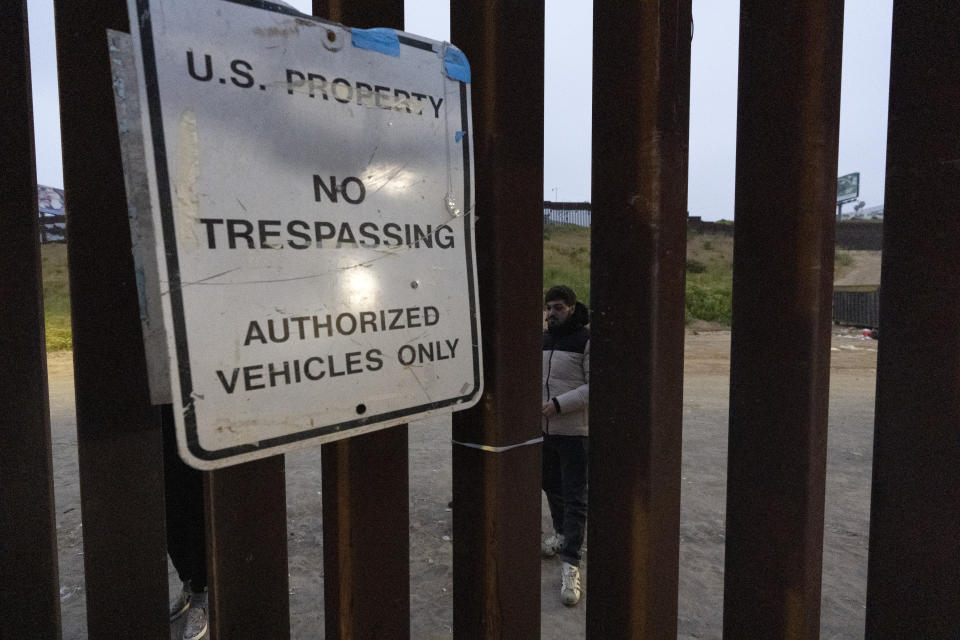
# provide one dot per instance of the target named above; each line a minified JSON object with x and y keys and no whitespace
{"x":787,"y":130}
{"x":29,"y":593}
{"x":913,"y":586}
{"x":362,"y":13}
{"x":118,"y":431}
{"x":639,"y":193}
{"x":247,"y":546}
{"x":366,"y":539}
{"x":496,"y":494}
{"x":366,"y":516}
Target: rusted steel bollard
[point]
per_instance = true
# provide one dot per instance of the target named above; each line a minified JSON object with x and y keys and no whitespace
{"x":787,"y":138}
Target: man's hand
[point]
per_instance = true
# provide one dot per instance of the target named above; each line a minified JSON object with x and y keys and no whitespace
{"x":549,"y":410}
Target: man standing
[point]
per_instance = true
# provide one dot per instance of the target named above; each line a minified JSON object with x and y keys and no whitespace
{"x":566,"y":377}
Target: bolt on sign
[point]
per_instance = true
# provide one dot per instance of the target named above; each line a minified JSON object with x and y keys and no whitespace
{"x":312,"y":197}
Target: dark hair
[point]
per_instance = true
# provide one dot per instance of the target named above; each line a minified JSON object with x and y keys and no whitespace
{"x":561,"y":292}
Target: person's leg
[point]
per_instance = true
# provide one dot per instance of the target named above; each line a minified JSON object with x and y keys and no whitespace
{"x":186,"y":533}
{"x":574,"y":457}
{"x":553,"y":480}
{"x":186,"y":536}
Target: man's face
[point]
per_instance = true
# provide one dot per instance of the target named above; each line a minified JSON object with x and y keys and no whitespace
{"x":558,"y":312}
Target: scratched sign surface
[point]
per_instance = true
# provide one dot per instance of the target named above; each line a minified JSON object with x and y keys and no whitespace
{"x":311,"y":191}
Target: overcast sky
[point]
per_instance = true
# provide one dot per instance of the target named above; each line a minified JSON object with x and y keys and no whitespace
{"x":713,"y":96}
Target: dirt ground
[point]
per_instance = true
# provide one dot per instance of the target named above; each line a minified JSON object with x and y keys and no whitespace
{"x":853,"y":375}
{"x":864,"y":270}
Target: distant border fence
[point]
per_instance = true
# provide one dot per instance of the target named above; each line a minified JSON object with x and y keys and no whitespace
{"x":577,"y":213}
{"x":852,"y":235}
{"x":53,"y":220}
{"x":857,"y":306}
{"x":53,"y":227}
{"x":864,"y":236}
{"x":860,"y":235}
{"x":697,"y":225}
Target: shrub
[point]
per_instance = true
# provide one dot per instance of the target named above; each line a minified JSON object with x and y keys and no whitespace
{"x":710,"y":303}
{"x":693,"y":266}
{"x":842,"y":259}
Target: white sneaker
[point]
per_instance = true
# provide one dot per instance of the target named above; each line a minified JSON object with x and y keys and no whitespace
{"x":195,"y":627}
{"x":550,"y":546}
{"x":570,"y":584}
{"x":182,"y":602}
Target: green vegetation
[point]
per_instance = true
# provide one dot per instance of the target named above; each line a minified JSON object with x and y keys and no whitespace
{"x":56,"y":296}
{"x":710,"y":300}
{"x":566,"y":260}
{"x":709,"y":278}
{"x":695,"y":266}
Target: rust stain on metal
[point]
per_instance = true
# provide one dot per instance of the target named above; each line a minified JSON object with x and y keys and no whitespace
{"x":913,"y":576}
{"x":638,"y":238}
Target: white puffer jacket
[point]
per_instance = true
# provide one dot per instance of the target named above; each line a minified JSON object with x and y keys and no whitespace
{"x":566,"y":375}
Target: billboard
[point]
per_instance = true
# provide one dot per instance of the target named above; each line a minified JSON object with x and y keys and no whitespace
{"x":848,"y":187}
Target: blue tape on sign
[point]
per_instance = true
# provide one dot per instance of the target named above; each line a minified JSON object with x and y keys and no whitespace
{"x":381,"y":40}
{"x":460,"y":135}
{"x":456,"y":64}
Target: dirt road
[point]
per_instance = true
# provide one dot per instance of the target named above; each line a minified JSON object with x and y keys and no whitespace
{"x":702,"y":523}
{"x":864,"y":271}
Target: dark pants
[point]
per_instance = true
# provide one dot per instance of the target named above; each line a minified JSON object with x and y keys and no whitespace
{"x":565,"y":483}
{"x":186,"y":539}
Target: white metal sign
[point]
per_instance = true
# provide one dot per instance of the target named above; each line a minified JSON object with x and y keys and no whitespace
{"x":312,"y":186}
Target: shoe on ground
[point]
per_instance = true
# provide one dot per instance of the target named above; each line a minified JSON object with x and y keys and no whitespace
{"x":195,"y":627}
{"x":551,"y":545}
{"x":570,"y":584}
{"x":181,"y":603}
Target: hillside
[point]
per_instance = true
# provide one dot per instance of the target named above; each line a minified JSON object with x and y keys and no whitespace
{"x":709,"y":290}
{"x":56,"y":296}
{"x":566,"y":259}
{"x":863,"y":270}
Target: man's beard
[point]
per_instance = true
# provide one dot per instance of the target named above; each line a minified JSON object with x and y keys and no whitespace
{"x":554,"y":324}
